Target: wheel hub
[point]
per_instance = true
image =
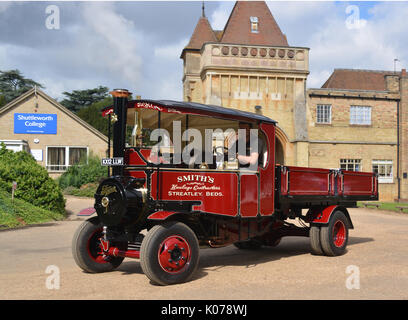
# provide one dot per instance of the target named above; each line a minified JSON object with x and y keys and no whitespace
{"x":174,"y":254}
{"x":339,"y":234}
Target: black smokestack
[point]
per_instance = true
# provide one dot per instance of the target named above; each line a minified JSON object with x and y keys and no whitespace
{"x":120,"y":100}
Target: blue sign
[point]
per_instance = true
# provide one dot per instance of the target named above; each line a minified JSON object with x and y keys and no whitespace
{"x":35,"y":123}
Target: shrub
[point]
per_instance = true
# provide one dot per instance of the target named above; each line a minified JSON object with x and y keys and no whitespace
{"x":33,"y":182}
{"x":83,"y":173}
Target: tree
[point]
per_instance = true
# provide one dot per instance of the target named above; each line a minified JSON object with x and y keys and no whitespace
{"x":79,"y":99}
{"x":2,"y":100}
{"x":93,"y":115}
{"x":14,"y":84}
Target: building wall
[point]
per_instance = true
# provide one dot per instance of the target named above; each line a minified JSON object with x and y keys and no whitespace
{"x":242,"y":77}
{"x":404,"y":136}
{"x":340,"y":140}
{"x":69,"y":131}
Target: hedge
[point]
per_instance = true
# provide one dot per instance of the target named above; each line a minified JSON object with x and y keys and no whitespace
{"x":33,"y":182}
{"x":83,"y":173}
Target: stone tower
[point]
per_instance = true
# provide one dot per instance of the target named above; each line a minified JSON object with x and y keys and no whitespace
{"x":250,"y":66}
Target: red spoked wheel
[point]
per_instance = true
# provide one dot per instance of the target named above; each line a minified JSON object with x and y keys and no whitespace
{"x":169,"y":253}
{"x":334,"y":235}
{"x":87,"y":250}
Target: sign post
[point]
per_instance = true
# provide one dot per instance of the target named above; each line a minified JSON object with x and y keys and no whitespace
{"x":13,"y":188}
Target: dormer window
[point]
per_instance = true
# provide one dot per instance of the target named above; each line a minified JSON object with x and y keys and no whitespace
{"x":254,"y":24}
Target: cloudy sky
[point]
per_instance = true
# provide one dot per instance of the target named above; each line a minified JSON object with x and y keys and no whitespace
{"x":137,"y":45}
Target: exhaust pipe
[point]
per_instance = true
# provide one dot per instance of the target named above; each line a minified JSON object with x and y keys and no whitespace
{"x":120,"y":100}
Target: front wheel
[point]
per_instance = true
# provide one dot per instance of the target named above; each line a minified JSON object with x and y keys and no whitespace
{"x":334,"y":236}
{"x":87,"y":251}
{"x":169,"y":253}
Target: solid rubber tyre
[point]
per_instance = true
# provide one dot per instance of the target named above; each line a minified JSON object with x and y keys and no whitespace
{"x":169,"y":253}
{"x":314,"y":235}
{"x":86,"y":251}
{"x":334,"y":235}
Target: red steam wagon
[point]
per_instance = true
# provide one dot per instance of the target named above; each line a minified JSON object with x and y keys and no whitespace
{"x":179,"y":171}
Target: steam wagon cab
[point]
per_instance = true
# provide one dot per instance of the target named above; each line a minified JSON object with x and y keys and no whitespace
{"x":196,"y":175}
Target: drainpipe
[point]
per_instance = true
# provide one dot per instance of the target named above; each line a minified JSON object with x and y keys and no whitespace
{"x":398,"y":152}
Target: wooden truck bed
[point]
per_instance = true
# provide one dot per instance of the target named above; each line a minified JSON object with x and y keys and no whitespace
{"x":324,"y":186}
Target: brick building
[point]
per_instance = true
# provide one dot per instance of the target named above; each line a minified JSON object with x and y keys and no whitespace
{"x":356,"y":121}
{"x":55,"y":136}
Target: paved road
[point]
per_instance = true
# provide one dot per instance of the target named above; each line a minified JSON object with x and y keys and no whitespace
{"x":378,"y":247}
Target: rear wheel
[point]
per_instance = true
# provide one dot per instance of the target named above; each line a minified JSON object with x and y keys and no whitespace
{"x":334,"y":236}
{"x":87,"y":251}
{"x":315,"y":244}
{"x":169,"y":253}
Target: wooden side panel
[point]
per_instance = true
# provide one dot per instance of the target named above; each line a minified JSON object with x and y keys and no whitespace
{"x":217,"y":191}
{"x":249,"y":195}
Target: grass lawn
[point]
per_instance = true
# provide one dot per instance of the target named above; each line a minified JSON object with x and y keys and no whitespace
{"x":20,"y":213}
{"x":391,"y":206}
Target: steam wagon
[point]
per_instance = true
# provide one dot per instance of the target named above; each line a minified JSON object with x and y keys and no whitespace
{"x":167,"y":194}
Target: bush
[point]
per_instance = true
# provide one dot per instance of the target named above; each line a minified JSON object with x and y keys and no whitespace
{"x":87,"y":190}
{"x":33,"y":182}
{"x":78,"y":175}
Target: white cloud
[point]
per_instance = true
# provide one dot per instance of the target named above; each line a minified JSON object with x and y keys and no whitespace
{"x":102,"y":47}
{"x":325,"y":29}
{"x":112,"y":42}
{"x":171,"y":51}
{"x":220,"y":16}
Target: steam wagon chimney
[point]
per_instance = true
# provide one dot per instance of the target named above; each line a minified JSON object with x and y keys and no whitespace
{"x":120,"y":100}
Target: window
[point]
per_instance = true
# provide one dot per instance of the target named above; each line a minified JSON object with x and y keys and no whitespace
{"x":323,"y":113}
{"x":56,"y":159}
{"x":60,"y":158}
{"x":350,"y":164}
{"x":360,"y":115}
{"x":254,"y":24}
{"x":384,"y":170}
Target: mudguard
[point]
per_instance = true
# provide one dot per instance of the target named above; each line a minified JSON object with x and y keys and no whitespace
{"x":321,"y":215}
{"x":161,"y":215}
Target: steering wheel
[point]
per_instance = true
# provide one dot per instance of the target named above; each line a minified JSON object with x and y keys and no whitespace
{"x":223,"y":154}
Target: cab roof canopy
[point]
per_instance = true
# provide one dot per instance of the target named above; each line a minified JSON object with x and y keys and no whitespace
{"x":171,"y":106}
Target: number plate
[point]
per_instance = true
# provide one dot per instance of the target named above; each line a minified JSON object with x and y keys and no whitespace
{"x":112,"y":162}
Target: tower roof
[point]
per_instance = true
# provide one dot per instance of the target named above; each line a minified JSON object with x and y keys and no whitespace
{"x":238,"y":27}
{"x":202,"y":33}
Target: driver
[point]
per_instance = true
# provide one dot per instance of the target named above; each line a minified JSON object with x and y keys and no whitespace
{"x":253,"y":154}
